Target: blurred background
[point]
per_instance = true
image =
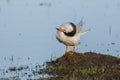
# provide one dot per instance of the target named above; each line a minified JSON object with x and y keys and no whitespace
{"x":28,"y":28}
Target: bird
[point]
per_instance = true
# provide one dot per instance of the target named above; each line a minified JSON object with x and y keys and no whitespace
{"x":69,"y":34}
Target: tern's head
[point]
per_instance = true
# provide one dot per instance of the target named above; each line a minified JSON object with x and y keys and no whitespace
{"x":68,"y":29}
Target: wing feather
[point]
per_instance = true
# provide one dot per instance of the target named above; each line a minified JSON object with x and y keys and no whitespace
{"x":79,"y":26}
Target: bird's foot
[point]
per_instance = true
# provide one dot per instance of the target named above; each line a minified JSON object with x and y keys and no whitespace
{"x":72,"y":53}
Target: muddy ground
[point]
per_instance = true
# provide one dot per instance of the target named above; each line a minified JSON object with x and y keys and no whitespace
{"x":83,"y":66}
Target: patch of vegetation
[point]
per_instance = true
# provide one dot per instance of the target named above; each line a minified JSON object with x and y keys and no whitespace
{"x":18,"y":68}
{"x":87,"y":66}
{"x":13,"y":68}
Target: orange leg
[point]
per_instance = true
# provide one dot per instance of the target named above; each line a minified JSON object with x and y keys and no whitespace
{"x":73,"y":51}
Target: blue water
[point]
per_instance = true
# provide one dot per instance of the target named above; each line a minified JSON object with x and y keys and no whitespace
{"x":28,"y":28}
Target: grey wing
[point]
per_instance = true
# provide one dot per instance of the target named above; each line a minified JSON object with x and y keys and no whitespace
{"x":79,"y":26}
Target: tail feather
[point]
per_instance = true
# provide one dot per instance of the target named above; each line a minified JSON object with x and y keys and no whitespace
{"x":82,"y":33}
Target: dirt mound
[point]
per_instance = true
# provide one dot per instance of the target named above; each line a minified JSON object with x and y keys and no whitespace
{"x":87,"y":59}
{"x":84,"y":66}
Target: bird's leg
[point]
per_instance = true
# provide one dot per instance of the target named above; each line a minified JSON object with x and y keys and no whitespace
{"x":73,"y":50}
{"x":66,"y":49}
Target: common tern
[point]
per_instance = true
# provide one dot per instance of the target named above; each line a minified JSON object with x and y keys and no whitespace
{"x":69,"y":34}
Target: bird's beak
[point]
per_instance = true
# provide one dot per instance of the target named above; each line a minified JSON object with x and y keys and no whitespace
{"x":61,"y":29}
